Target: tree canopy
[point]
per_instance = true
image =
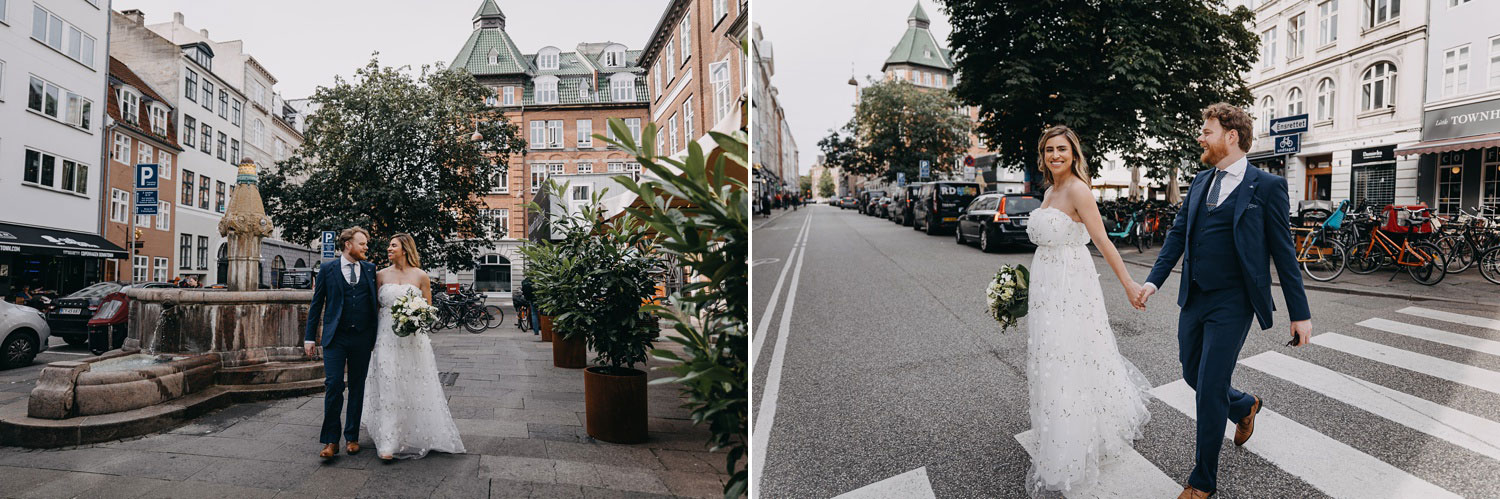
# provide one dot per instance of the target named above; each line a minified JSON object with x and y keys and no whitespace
{"x":895,"y":126}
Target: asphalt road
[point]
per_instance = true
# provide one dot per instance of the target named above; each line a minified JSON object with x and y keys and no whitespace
{"x":887,"y":364}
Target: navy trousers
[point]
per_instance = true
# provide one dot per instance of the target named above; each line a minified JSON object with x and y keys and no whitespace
{"x":347,"y":352}
{"x":1210,"y":333}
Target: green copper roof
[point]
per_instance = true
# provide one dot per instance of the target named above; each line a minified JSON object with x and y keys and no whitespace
{"x":488,"y":9}
{"x":917,"y":13}
{"x":475,"y":56}
{"x":917,"y":46}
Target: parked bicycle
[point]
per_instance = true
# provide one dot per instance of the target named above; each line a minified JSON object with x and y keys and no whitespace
{"x":466,"y":310}
{"x":1467,"y":236}
{"x":1421,"y":259}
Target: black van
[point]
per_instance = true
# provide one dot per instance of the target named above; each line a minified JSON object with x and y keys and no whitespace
{"x":938,"y":205}
{"x":867,"y":201}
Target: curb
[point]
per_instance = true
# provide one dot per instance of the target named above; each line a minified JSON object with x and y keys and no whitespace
{"x":1317,"y":286}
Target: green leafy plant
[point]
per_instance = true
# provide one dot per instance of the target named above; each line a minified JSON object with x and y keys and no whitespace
{"x":544,"y":266}
{"x":700,"y":217}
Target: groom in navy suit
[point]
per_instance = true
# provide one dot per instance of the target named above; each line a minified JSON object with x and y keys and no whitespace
{"x":1236,"y":225}
{"x":345,"y":301}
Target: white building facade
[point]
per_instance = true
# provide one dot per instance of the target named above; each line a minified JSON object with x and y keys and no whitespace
{"x":1352,"y":74}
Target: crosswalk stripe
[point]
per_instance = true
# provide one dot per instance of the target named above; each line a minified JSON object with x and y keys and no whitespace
{"x":1329,"y":465}
{"x":1470,"y":320}
{"x":1457,"y":427}
{"x":1434,"y":335}
{"x":1482,"y":379}
{"x":1128,"y":475}
{"x":913,"y":484}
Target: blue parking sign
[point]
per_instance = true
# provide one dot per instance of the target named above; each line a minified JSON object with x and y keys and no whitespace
{"x":145,"y":176}
{"x":329,"y":251}
{"x":146,"y":202}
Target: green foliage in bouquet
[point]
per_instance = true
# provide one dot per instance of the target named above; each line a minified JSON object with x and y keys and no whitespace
{"x":700,"y":216}
{"x":1007,"y":295}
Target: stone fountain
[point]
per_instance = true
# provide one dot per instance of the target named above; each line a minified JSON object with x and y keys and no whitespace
{"x":189,"y":351}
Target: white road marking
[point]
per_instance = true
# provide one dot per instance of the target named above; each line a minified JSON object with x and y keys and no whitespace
{"x":1434,"y":335}
{"x":913,"y":484}
{"x":1129,"y":475}
{"x":765,"y":317}
{"x":761,"y":431}
{"x":1457,"y":427}
{"x":1470,"y":320}
{"x":1329,"y":465}
{"x":1482,"y":379}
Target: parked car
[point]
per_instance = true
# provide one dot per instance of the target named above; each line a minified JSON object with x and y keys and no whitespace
{"x":24,"y":331}
{"x":882,"y":207}
{"x":111,"y":323}
{"x":868,"y":198}
{"x":993,"y":220}
{"x":901,"y":203}
{"x":69,"y":318}
{"x":939,"y":204}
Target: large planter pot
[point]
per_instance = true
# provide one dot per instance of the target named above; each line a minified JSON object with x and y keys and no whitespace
{"x":570,"y":354}
{"x":615,"y":401}
{"x":546,"y":328}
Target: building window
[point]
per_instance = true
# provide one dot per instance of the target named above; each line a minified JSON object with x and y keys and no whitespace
{"x":235,"y":112}
{"x":203,"y":192}
{"x":41,"y":169}
{"x":555,"y":169}
{"x":509,"y":96}
{"x":719,"y":77}
{"x":585,"y":167}
{"x":1267,"y":113}
{"x":721,"y":9}
{"x":1296,"y":35}
{"x":234,"y":151}
{"x":546,"y":90}
{"x":1268,"y":48}
{"x":616,"y":166}
{"x":555,"y":134}
{"x":159,"y":270}
{"x":1294,"y":102}
{"x":164,"y":215}
{"x":581,"y":193}
{"x":1489,"y":194}
{"x":140,"y":268}
{"x":622,"y":87}
{"x":614,"y":57}
{"x":45,"y":97}
{"x":130,"y":104}
{"x":223,"y":141}
{"x":1456,"y":71}
{"x":687,"y":120}
{"x":1450,"y":182}
{"x":147,"y":152}
{"x":79,"y":110}
{"x":672,"y":134}
{"x":121,"y":151}
{"x":502,"y":182}
{"x":208,"y":95}
{"x":189,"y":130}
{"x":1378,"y":87}
{"x":164,"y":162}
{"x":634,"y":124}
{"x":207,"y":146}
{"x":656,"y":79}
{"x":75,"y":177}
{"x":493,"y":57}
{"x":1380,"y":11}
{"x":1495,"y":62}
{"x":671,"y":61}
{"x":50,"y":29}
{"x":257,"y":132}
{"x":685,"y":34}
{"x":548,"y":58}
{"x":1328,"y":22}
{"x":119,"y":206}
{"x":185,"y":252}
{"x":538,"y":134}
{"x":219,"y":191}
{"x":159,"y":120}
{"x":191,"y":89}
{"x":224,"y":104}
{"x":585,"y":133}
{"x":202,"y":252}
{"x":538,"y":175}
{"x":187,"y":188}
{"x":281,"y":149}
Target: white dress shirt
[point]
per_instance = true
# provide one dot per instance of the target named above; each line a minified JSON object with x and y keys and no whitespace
{"x":350,"y":270}
{"x":1234,"y":173}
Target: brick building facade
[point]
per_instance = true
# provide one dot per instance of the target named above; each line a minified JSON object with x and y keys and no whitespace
{"x":140,"y":129}
{"x":697,"y":71}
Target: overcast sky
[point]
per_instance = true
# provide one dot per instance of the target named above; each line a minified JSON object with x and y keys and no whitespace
{"x":304,"y":43}
{"x":814,"y":45}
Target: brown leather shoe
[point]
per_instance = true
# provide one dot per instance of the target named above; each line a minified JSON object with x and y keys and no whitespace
{"x":329,"y":450}
{"x":1191,"y":493}
{"x":352,"y":447}
{"x":1245,"y":427}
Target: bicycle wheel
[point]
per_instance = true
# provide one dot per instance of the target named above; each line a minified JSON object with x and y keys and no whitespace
{"x":496,"y":315}
{"x":1457,"y":252}
{"x":475,"y":320}
{"x":1364,"y":259}
{"x":1489,"y":264}
{"x":1329,"y":263}
{"x":1433,"y":266}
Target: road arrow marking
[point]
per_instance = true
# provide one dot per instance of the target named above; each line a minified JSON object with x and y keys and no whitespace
{"x":913,"y":484}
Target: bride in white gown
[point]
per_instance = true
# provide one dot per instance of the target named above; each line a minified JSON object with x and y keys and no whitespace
{"x":406,"y":411}
{"x":1087,"y":402}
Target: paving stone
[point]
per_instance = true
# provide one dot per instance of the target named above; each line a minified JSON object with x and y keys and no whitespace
{"x":76,"y":459}
{"x":690,"y":461}
{"x":604,"y":453}
{"x":602,"y":493}
{"x":264,"y":474}
{"x":506,"y":446}
{"x":62,"y":484}
{"x":163,"y":466}
{"x":463,"y":487}
{"x":524,"y":469}
{"x":692,"y":484}
{"x":336,"y":482}
{"x":491,"y":427}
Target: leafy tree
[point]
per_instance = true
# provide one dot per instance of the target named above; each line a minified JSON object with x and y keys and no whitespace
{"x":896,"y":125}
{"x":805,"y":183}
{"x":1129,"y":76}
{"x":825,"y":185}
{"x":392,"y":152}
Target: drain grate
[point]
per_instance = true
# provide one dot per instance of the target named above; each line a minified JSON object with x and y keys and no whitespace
{"x":448,"y":378}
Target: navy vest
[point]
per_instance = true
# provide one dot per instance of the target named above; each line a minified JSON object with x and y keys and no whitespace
{"x":1215,"y":258}
{"x":356,"y":314}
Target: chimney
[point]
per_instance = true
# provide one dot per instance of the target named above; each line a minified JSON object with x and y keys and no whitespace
{"x":135,"y":15}
{"x":177,"y":18}
{"x":203,"y":32}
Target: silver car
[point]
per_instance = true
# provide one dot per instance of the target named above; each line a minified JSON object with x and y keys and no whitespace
{"x":25,"y":334}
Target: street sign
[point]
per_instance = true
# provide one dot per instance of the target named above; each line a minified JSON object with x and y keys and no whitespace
{"x":145,"y":202}
{"x":328,"y":244}
{"x":901,"y":179}
{"x":968,"y":161}
{"x":926,"y":169}
{"x":1289,"y":125}
{"x":145,"y":176}
{"x":1289,"y":144}
{"x":968,"y":172}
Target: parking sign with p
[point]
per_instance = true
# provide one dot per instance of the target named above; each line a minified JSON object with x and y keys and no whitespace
{"x":145,"y":176}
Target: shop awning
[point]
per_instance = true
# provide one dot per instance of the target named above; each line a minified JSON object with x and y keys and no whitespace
{"x":44,"y":241}
{"x":1454,"y":144}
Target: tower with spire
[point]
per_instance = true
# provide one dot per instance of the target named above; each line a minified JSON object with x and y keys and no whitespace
{"x":918,"y":57}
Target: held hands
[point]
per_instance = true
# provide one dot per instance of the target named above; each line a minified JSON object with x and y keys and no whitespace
{"x":1137,"y":294}
{"x":1301,"y":333}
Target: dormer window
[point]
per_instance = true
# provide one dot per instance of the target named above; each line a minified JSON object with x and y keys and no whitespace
{"x":548,"y":58}
{"x":929,"y":54}
{"x":494,"y":56}
{"x":583,"y":90}
{"x":201,"y":54}
{"x":546,"y":90}
{"x":614,"y":56}
{"x":622,"y":87}
{"x":130,"y":105}
{"x":158,"y":120}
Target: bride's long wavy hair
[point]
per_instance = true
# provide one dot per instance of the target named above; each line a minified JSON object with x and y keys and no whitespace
{"x":409,"y":250}
{"x":1080,"y":163}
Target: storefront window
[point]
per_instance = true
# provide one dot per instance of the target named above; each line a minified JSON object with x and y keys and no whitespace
{"x":1450,"y":182}
{"x":1490,"y":195}
{"x":493,"y":274}
{"x":1374,"y":184}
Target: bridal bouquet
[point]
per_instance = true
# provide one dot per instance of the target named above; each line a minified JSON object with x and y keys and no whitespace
{"x":412,"y":314}
{"x":1007,"y":295}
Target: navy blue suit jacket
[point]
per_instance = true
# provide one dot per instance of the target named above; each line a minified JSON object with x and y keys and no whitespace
{"x":328,"y":298}
{"x":1261,"y":234}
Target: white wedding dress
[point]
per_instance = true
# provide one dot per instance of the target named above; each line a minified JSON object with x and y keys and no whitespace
{"x":406,"y":411}
{"x":1088,"y":402}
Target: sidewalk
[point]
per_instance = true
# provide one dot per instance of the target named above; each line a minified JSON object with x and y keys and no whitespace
{"x":1467,"y":287}
{"x":521,"y":420}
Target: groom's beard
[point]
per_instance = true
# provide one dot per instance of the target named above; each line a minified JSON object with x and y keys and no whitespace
{"x":1212,"y":155}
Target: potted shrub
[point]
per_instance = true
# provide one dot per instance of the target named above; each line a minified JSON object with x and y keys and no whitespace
{"x":543,"y":267}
